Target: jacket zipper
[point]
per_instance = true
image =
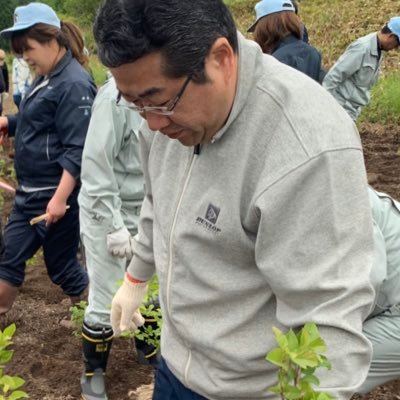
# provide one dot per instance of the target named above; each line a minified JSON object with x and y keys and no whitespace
{"x":192,"y":161}
{"x":190,"y":167}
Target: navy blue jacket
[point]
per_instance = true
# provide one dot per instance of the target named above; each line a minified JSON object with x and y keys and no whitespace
{"x":50,"y":127}
{"x":301,"y":56}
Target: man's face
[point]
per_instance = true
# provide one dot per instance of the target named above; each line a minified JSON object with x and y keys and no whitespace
{"x":200,"y":111}
{"x":391,"y":42}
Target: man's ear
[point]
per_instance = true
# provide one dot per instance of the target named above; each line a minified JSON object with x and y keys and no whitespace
{"x":221,"y":55}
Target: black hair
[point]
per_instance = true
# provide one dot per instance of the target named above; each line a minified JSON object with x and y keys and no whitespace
{"x":182,"y":31}
{"x":386,"y":30}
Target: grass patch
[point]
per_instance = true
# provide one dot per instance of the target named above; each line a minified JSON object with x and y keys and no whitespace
{"x":385,"y":104}
{"x":97,"y":70}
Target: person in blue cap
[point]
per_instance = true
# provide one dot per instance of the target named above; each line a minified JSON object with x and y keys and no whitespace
{"x":50,"y":130}
{"x":279,"y":32}
{"x":352,"y":77}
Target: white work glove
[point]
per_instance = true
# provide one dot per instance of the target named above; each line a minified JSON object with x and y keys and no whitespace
{"x":119,"y":243}
{"x":125,"y":305}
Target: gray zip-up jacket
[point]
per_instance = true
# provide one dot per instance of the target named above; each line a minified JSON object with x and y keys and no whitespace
{"x":269,"y":225}
{"x":355,"y":72}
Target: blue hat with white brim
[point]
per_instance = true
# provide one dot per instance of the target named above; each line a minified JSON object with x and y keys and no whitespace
{"x":267,"y":7}
{"x":32,"y":14}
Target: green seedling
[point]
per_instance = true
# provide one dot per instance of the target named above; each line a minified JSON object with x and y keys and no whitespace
{"x":9,"y":385}
{"x":77,"y":315}
{"x":298,"y":356}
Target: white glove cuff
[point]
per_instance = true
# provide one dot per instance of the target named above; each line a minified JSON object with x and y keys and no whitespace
{"x":137,"y":290}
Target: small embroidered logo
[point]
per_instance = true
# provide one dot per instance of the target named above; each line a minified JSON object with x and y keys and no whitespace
{"x":212,"y":213}
{"x":210,"y":219}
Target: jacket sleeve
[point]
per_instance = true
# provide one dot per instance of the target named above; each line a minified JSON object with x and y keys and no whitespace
{"x":12,"y":124}
{"x":72,"y":121}
{"x":107,"y":130}
{"x":142,"y":266}
{"x":347,"y":65}
{"x":319,"y":259}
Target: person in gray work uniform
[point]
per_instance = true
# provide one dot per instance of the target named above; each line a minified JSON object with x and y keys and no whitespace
{"x":352,"y":77}
{"x":110,"y":199}
{"x":382,"y":326}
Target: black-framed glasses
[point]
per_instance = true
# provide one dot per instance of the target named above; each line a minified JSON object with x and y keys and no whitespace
{"x":160,"y":110}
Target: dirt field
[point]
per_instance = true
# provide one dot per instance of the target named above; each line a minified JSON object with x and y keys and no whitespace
{"x":48,"y":356}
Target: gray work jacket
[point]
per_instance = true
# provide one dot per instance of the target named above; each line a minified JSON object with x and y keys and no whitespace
{"x":354,"y":73}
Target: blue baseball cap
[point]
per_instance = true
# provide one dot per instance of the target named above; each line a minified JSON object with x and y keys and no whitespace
{"x":267,"y":7}
{"x":32,"y":14}
{"x":394,"y":25}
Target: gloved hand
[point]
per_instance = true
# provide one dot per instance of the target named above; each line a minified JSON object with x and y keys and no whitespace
{"x":125,"y":305}
{"x":119,"y":243}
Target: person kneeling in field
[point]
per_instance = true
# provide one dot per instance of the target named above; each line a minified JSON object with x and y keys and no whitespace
{"x":382,"y":326}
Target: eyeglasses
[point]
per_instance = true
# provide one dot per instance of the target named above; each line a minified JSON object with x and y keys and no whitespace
{"x":160,"y":110}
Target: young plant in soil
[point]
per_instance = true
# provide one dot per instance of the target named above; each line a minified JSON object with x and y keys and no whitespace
{"x":9,"y":384}
{"x":298,"y":356}
{"x":77,"y":315}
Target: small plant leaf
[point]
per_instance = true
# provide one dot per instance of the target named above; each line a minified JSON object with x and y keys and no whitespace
{"x":11,"y":382}
{"x":324,"y":396}
{"x":10,"y":330}
{"x":293,"y":343}
{"x":18,"y":394}
{"x":277,"y":357}
{"x":5,"y":356}
{"x":311,"y":379}
{"x":292,"y":393}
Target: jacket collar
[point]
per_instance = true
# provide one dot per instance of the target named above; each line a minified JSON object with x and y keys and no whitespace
{"x":65,"y":60}
{"x":43,"y":81}
{"x":248,"y":54}
{"x":286,"y":41}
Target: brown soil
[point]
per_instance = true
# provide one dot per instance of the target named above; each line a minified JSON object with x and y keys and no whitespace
{"x":48,"y":356}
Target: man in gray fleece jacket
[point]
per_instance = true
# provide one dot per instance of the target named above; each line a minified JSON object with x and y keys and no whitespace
{"x":256,"y":210}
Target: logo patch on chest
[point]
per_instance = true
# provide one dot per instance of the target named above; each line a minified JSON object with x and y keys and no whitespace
{"x":210,"y":219}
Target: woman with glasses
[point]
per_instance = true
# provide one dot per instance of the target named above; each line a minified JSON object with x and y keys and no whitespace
{"x":50,"y":130}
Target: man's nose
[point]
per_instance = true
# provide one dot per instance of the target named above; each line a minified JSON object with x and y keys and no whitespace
{"x":156,"y":122}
